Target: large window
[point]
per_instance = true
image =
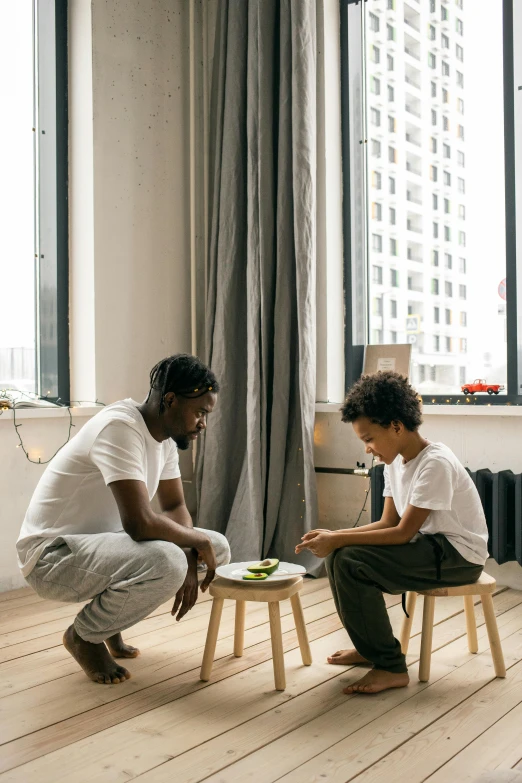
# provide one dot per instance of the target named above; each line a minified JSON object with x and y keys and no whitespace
{"x":460,"y":170}
{"x":33,"y":197}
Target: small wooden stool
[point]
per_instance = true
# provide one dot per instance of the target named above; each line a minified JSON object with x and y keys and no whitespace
{"x":484,"y":587}
{"x":271,"y":593}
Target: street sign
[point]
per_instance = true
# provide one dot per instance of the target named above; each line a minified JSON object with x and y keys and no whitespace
{"x":411,"y":339}
{"x":413,"y":324}
{"x":502,"y":289}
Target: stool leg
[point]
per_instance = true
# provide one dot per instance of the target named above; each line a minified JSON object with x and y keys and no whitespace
{"x":239,"y":630}
{"x":411,"y":600}
{"x":426,"y":638}
{"x":493,"y":636}
{"x":300,"y":627}
{"x":212,"y":634}
{"x":277,"y":645}
{"x":471,"y":624}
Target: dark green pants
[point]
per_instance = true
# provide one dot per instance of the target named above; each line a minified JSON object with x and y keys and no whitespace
{"x":359,"y":575}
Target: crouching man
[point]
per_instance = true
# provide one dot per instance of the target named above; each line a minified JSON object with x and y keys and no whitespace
{"x":90,"y":531}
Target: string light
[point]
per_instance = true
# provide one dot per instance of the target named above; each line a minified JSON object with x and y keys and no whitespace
{"x":4,"y":394}
{"x":474,"y":401}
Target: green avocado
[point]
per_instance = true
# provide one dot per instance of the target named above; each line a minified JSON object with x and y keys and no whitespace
{"x":255,"y":577}
{"x":264,"y":567}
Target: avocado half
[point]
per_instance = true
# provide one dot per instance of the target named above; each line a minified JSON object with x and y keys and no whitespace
{"x":264,"y":567}
{"x":255,"y":577}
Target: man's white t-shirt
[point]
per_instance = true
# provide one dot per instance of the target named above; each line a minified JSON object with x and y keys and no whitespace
{"x":435,"y":479}
{"x":72,"y":495}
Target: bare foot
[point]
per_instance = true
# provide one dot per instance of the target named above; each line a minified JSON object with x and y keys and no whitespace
{"x":119,"y":649}
{"x":378,"y":680}
{"x":347,"y":658}
{"x":94,"y":659}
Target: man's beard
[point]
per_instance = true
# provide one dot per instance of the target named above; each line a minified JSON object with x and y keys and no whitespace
{"x":182,"y":442}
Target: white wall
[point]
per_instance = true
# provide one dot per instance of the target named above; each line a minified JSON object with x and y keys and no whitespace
{"x":18,"y":478}
{"x":132,"y":285}
{"x":130,"y":223}
{"x":479,"y":439}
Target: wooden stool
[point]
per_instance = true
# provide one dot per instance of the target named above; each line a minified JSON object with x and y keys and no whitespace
{"x":271,"y":593}
{"x":484,"y":587}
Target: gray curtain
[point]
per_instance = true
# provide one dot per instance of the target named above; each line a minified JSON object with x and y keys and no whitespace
{"x":256,"y":480}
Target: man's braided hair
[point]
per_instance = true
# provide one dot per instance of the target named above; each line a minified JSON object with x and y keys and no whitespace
{"x":183,"y":374}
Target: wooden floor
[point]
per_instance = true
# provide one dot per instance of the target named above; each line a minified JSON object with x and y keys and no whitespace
{"x":166,"y":725}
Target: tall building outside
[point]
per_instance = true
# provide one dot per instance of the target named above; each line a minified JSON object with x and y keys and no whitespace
{"x":421,"y":275}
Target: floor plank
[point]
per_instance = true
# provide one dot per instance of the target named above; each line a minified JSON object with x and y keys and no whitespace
{"x":497,"y":748}
{"x":166,"y":724}
{"x":52,"y":664}
{"x":340,"y":743}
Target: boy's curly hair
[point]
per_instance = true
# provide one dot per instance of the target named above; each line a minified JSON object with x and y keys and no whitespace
{"x":383,"y":397}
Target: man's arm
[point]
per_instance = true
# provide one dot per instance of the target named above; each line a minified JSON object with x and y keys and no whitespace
{"x":172,"y":502}
{"x":143,"y":524}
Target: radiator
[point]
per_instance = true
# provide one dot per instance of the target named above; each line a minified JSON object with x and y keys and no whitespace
{"x":501,"y":497}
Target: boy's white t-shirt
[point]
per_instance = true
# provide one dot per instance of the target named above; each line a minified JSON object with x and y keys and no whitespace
{"x":435,"y":479}
{"x":72,"y":495}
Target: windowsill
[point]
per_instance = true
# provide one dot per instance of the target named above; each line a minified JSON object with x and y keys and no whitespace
{"x":465,"y":409}
{"x":51,"y":413}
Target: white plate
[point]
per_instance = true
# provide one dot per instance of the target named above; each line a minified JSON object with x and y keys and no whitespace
{"x":236,"y":571}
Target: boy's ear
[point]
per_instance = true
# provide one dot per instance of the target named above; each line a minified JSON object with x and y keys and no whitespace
{"x":397,"y":426}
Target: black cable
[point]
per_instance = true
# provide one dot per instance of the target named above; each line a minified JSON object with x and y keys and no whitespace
{"x":367,"y":493}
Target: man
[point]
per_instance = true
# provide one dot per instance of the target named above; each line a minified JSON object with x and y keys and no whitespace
{"x":90,"y":531}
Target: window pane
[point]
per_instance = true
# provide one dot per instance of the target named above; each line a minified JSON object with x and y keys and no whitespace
{"x":443,"y":145}
{"x":17,"y":261}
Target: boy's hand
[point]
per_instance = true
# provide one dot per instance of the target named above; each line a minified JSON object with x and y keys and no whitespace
{"x":319,"y":542}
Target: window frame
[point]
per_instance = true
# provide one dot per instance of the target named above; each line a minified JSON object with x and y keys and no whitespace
{"x":353,"y":134}
{"x":52,"y":181}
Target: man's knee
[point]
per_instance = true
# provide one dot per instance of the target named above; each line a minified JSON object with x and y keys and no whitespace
{"x":168,"y":562}
{"x":220,"y":545}
{"x":221,"y":548}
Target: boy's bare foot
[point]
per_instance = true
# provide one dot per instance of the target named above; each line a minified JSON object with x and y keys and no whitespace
{"x":347,"y":658}
{"x":378,"y":680}
{"x":94,"y":659}
{"x":119,"y":649}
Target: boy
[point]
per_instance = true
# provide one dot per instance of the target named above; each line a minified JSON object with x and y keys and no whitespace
{"x":432,"y":531}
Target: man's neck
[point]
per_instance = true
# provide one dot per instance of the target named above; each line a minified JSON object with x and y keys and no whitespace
{"x":413,"y":446}
{"x":152,"y":419}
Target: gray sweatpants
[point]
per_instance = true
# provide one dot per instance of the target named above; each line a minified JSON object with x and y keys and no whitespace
{"x":126,"y":579}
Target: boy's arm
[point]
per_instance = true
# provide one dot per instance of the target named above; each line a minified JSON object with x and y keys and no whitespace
{"x":322,"y":542}
{"x":390,"y":518}
{"x":400,"y":533}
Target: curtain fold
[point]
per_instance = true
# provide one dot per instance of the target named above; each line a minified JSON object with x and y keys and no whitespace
{"x":255,"y":470}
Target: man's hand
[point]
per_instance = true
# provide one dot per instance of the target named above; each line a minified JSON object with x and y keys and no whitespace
{"x":206,"y":555}
{"x":319,"y":542}
{"x":187,"y":595}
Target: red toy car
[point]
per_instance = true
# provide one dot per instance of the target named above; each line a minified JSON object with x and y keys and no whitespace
{"x":480,"y":385}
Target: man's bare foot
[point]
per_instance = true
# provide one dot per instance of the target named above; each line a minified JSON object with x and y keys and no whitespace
{"x":347,"y":658}
{"x":94,"y":659}
{"x":378,"y":680}
{"x":119,"y":649}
